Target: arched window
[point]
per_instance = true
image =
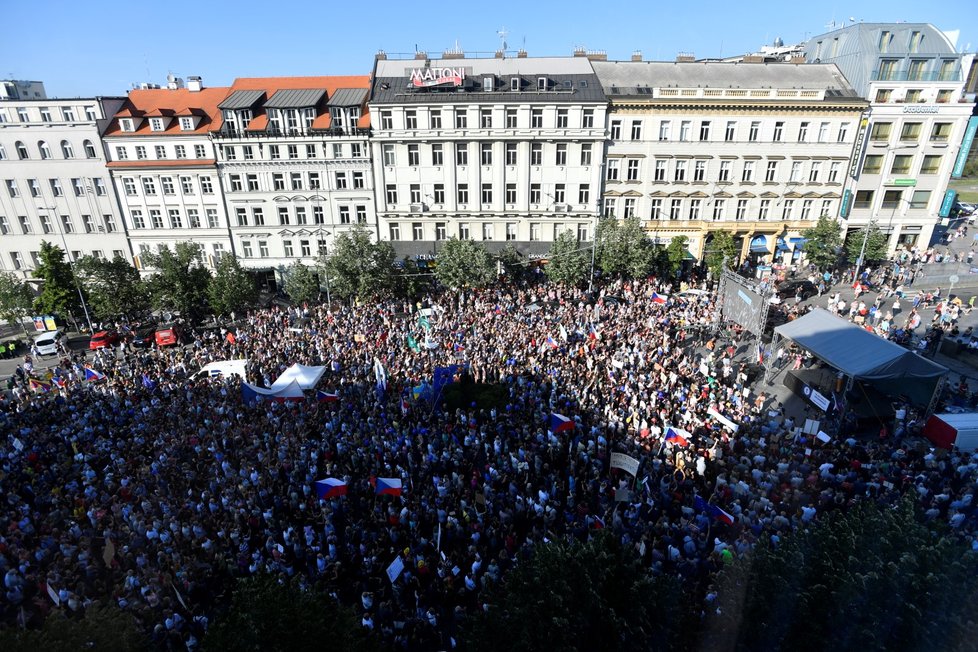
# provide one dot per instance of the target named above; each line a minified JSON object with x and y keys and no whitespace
{"x":22,"y":151}
{"x":67,"y":149}
{"x":45,"y":150}
{"x":90,"y":150}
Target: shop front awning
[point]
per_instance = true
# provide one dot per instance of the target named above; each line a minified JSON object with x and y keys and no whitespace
{"x":758,"y":244}
{"x":782,"y":245}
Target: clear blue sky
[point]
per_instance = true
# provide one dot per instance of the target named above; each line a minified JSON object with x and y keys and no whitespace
{"x":102,"y":48}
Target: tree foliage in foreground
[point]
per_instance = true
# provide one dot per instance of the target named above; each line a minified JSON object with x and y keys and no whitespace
{"x":676,"y":252}
{"x":722,"y":247}
{"x":181,"y":280}
{"x":822,"y":243}
{"x":232,"y":287}
{"x":16,"y":299}
{"x":875,"y":578}
{"x":268,"y":615}
{"x":623,"y":248}
{"x":464,"y":263}
{"x":580,"y":596}
{"x":58,"y":292}
{"x":359,"y":267}
{"x":876,"y":245}
{"x":567,"y":263}
{"x":113,"y":287}
{"x":301,"y":283}
{"x":102,"y":628}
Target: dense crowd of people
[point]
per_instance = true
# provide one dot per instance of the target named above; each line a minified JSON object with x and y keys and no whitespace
{"x":154,"y":488}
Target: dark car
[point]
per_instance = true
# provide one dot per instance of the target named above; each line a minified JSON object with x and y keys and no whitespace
{"x":143,"y":336}
{"x":103,"y":339}
{"x":790,"y":289}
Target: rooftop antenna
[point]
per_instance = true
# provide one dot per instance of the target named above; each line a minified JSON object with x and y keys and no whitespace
{"x":502,"y":34}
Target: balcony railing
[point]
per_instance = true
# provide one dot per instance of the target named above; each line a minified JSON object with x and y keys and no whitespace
{"x":334,"y":132}
{"x":907,"y":75}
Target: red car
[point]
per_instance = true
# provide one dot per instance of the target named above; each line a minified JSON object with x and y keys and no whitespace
{"x":103,"y":339}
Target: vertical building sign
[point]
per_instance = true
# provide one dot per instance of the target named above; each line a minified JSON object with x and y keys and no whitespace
{"x":846,"y":204}
{"x":948,"y":203}
{"x":966,"y":142}
{"x":857,"y":152}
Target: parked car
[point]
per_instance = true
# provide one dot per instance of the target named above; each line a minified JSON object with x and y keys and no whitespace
{"x":103,"y":339}
{"x":47,"y":343}
{"x":169,"y":335}
{"x":965,"y":208}
{"x":143,"y":336}
{"x":790,"y":288}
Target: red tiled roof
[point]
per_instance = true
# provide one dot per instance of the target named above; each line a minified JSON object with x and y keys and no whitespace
{"x":159,"y":112}
{"x":323,"y":121}
{"x":178,"y":163}
{"x":364,"y":121}
{"x":146,"y":102}
{"x":258,"y":123}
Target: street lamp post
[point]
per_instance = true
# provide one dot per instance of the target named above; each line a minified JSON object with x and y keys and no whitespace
{"x":51,"y":210}
{"x":594,"y":246}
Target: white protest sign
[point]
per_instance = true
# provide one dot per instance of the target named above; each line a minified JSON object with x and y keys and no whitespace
{"x":624,"y":462}
{"x":730,"y":425}
{"x":820,"y":401}
{"x":394,"y":570}
{"x":822,"y":437}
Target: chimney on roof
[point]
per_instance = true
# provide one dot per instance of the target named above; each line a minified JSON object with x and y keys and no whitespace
{"x":521,"y":54}
{"x":453,"y":54}
{"x":798,"y":58}
{"x":752,"y":58}
{"x":380,"y":56}
{"x":685,"y":57}
{"x":597,"y":55}
{"x":500,"y":54}
{"x":195,"y":84}
{"x":637,"y":55}
{"x":421,"y":55}
{"x":580,"y":52}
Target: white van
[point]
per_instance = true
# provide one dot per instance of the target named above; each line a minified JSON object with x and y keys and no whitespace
{"x":223,"y":369}
{"x":47,"y":343}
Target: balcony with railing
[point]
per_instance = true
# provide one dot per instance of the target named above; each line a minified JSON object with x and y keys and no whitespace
{"x":228,"y":131}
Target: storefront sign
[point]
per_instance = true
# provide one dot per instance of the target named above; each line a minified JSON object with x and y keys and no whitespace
{"x":857,"y":153}
{"x":424,"y":77}
{"x":846,"y":204}
{"x":904,"y":183}
{"x":966,"y":142}
{"x":948,"y":203}
{"x":916,"y":108}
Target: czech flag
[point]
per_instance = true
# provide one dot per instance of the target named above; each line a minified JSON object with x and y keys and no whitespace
{"x":388,"y":486}
{"x":598,"y":523}
{"x":713,"y":510}
{"x":560,"y":423}
{"x":659,"y":298}
{"x":330,"y":488}
{"x":92,"y":376}
{"x":593,"y":333}
{"x":677,"y":436}
{"x":551,"y":343}
{"x":327,"y":397}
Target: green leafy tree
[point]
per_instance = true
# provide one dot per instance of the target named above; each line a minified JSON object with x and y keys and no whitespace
{"x":876,"y":244}
{"x":269,"y":615}
{"x":623,"y":248}
{"x":676,"y":252}
{"x":822,"y":243}
{"x":873,"y":578}
{"x":112,"y":287}
{"x":581,"y":596}
{"x":301,"y":283}
{"x":16,"y":299}
{"x":409,"y":280}
{"x":232,"y":287}
{"x":101,"y":628}
{"x":181,"y":280}
{"x":567,"y":263}
{"x":721,"y":247}
{"x":464,"y":263}
{"x":359,"y":267}
{"x":512,"y":261}
{"x":59,"y":294}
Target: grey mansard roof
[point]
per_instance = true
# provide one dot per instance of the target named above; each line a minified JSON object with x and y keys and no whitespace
{"x":624,"y":78}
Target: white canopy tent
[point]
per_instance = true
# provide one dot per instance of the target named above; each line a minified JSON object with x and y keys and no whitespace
{"x":306,"y":377}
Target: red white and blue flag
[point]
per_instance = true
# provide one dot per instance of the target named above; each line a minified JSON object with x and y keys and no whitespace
{"x":560,"y":423}
{"x":388,"y":486}
{"x":327,"y":397}
{"x":330,"y":488}
{"x":91,"y":375}
{"x":678,"y":436}
{"x":713,"y":510}
{"x":659,"y":298}
{"x":551,"y":343}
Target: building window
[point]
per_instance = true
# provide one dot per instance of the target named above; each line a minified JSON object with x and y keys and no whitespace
{"x":609,"y":206}
{"x":752,"y":134}
{"x":77,"y":187}
{"x":438,"y":194}
{"x":789,"y":207}
{"x":806,"y":209}
{"x":160,"y":152}
{"x":510,"y":230}
{"x":613,"y":169}
{"x":12,"y":189}
{"x":880,"y":131}
{"x":940,"y":132}
{"x":414,"y":192}
{"x":414,"y":155}
{"x":778,"y":131}
{"x":56,"y":189}
{"x":536,"y":119}
{"x":212,"y":222}
{"x":461,"y":119}
{"x":193,"y":217}
{"x":864,"y":199}
{"x":536,"y":153}
{"x":584,"y":193}
{"x":45,"y":114}
{"x":417,"y":231}
{"x":246,"y":248}
{"x":920,"y":199}
{"x":35,"y":187}
{"x":510,"y":193}
{"x":462,"y":194}
{"x":485,"y":120}
{"x":395,"y":231}
{"x":300,"y":215}
{"x":795,"y":175}
{"x":741,"y":213}
{"x":561,"y":158}
{"x":67,"y":150}
{"x":295,"y":180}
{"x":344,"y":212}
{"x":141,"y":152}
{"x":293,"y":151}
{"x":89,"y":149}
{"x":872,"y":164}
{"x":156,"y":218}
{"x":730,"y":132}
{"x":803,"y":132}
{"x":944,"y":95}
{"x":511,"y":118}
{"x":586,"y":154}
{"x":200,"y":151}
{"x":167,"y":184}
{"x":4,"y":225}
{"x":42,"y":147}
{"x":823,"y":132}
{"x":341,"y":180}
{"x":283,"y":216}
{"x":813,"y":172}
{"x":748,"y":174}
{"x":826,"y":208}
{"x":901,"y":164}
{"x":885,"y":39}
{"x":719,"y":209}
{"x":636,"y":130}
{"x":675,"y":209}
{"x":891,"y":199}
{"x":536,"y":193}
{"x":461,"y":154}
{"x":487,"y":193}
{"x":25,"y":225}
{"x":487,"y":231}
{"x":562,"y":117}
{"x":534,"y":231}
{"x":434,"y":118}
{"x":685,"y":128}
{"x":931,"y":164}
{"x":695,"y":206}
{"x":441,"y":233}
{"x":411,"y":119}
{"x":664,"y":130}
{"x":633,"y":169}
{"x":17,"y":259}
{"x":661,"y":167}
{"x":176,"y":220}
{"x":910,"y":132}
{"x":560,"y":193}
{"x":705,"y":130}
{"x":629,"y":210}
{"x":699,"y":170}
{"x":22,"y":115}
{"x":725,"y":171}
{"x":235,"y":180}
{"x":251,"y":179}
{"x":485,"y":153}
{"x":764,"y":210}
{"x":587,"y":119}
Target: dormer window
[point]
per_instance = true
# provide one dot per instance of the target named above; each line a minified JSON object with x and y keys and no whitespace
{"x":126,"y":124}
{"x":514,"y":83}
{"x":541,"y":83}
{"x":186,"y":124}
{"x":336,"y":115}
{"x":488,"y":84}
{"x":156,"y":124}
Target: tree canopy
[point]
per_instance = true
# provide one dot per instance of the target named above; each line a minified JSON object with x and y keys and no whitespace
{"x":16,"y":299}
{"x":822,"y":243}
{"x":721,"y":247}
{"x":464,"y":263}
{"x":567,"y":263}
{"x":676,"y":252}
{"x":102,"y":627}
{"x":580,"y":596}
{"x":876,"y":244}
{"x":181,"y":280}
{"x":359,"y":267}
{"x":623,"y":248}
{"x":113,"y":287}
{"x":301,"y":283}
{"x":58,"y":292}
{"x":232,"y":287}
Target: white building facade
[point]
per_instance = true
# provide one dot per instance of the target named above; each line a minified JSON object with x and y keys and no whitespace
{"x":501,"y":150}
{"x":54,"y":185}
{"x":919,"y":113}
{"x":294,"y":159}
{"x":164,"y":169}
{"x":758,"y":150}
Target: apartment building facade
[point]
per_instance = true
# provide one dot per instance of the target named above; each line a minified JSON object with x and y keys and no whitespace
{"x":294,"y":159}
{"x":54,"y":185}
{"x":498,"y":150}
{"x":759,"y":150}
{"x":910,"y":144}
